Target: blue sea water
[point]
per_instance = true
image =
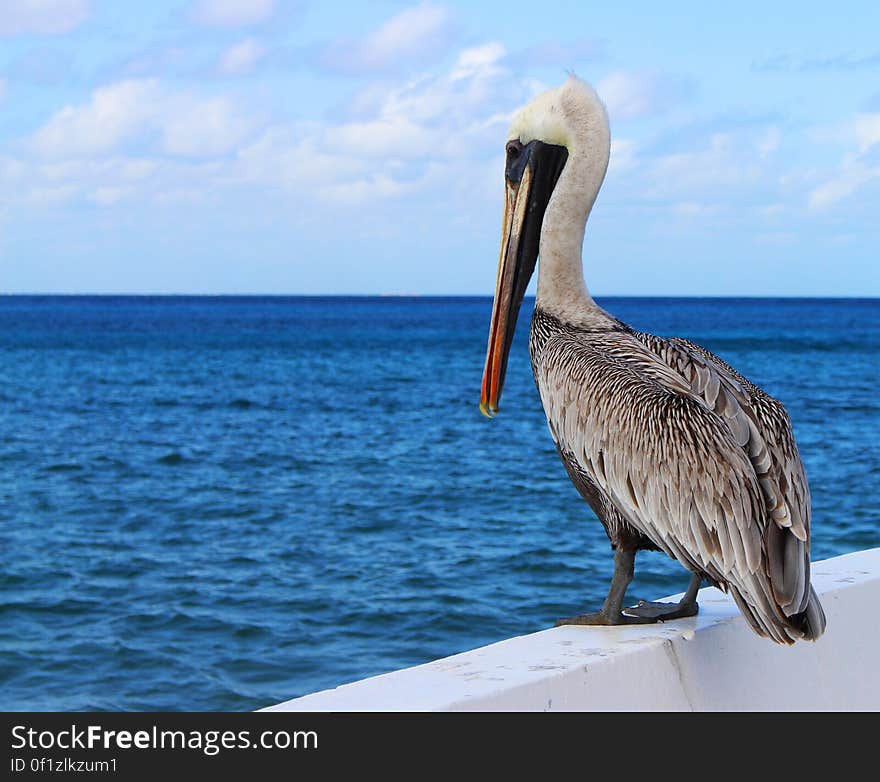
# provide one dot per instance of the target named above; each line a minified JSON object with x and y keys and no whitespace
{"x":221,"y":503}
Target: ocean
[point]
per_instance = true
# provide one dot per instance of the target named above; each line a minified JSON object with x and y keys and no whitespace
{"x":219,"y":503}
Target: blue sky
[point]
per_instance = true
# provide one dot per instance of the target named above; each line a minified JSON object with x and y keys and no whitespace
{"x":275,"y":146}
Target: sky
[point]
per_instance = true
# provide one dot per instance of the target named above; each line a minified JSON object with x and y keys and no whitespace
{"x":304,"y":147}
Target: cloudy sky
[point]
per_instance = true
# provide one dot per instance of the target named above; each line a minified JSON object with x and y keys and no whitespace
{"x":292,"y":146}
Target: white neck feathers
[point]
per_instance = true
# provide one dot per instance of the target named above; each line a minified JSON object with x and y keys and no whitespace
{"x":574,"y":117}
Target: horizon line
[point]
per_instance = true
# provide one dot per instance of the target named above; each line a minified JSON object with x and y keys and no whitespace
{"x":32,"y":294}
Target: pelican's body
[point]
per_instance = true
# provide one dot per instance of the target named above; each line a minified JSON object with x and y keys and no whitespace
{"x":672,"y":448}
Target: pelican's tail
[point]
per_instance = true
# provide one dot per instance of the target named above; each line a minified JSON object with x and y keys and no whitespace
{"x":807,"y":625}
{"x":813,"y":619}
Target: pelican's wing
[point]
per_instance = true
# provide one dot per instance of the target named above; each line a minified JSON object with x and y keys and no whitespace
{"x":780,"y":471}
{"x":676,"y":449}
{"x":758,"y":421}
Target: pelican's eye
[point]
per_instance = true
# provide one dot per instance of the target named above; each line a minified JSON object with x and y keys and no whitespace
{"x":513,"y":149}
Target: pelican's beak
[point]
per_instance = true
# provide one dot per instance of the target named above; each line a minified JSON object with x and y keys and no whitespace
{"x":531,"y":174}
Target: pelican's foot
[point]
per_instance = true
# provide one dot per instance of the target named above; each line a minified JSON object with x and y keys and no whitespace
{"x":603,"y":619}
{"x":662,"y":612}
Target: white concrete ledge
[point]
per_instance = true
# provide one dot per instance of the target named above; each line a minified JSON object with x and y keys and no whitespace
{"x":711,"y":662}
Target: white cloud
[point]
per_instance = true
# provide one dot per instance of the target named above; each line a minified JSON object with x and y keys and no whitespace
{"x":726,"y":161}
{"x":703,"y":174}
{"x":303,"y":159}
{"x":637,"y":94}
{"x":294,"y":155}
{"x":399,"y":138}
{"x":851,"y":176}
{"x":477,"y":86}
{"x":358,"y":191}
{"x":107,"y":196}
{"x":241,"y":57}
{"x":232,"y":13}
{"x":382,"y":136}
{"x":403,"y":141}
{"x":769,"y":142}
{"x":856,"y":170}
{"x":140,"y":140}
{"x":101,"y":181}
{"x":867,"y":129}
{"x":201,"y":127}
{"x":114,"y":113}
{"x":413,"y":34}
{"x":141,"y":111}
{"x":478,"y":60}
{"x":117,"y":168}
{"x":623,"y":155}
{"x":49,"y":196}
{"x":41,"y":17}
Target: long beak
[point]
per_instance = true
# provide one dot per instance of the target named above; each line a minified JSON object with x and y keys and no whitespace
{"x":508,"y":295}
{"x":529,"y":185}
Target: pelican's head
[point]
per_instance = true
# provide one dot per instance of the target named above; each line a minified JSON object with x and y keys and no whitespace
{"x":562,"y":129}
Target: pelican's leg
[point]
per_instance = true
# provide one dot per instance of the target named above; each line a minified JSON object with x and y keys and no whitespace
{"x":610,"y":614}
{"x":687,"y":606}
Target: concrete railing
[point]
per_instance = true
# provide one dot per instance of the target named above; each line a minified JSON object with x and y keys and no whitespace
{"x":710,"y":662}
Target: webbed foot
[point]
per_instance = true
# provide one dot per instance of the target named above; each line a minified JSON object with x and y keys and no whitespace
{"x":662,"y":612}
{"x":601,"y":618}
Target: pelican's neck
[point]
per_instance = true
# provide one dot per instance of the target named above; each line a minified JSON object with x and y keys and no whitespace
{"x":562,"y":290}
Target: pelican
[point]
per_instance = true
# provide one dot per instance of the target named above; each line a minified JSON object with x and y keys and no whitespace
{"x":672,"y":448}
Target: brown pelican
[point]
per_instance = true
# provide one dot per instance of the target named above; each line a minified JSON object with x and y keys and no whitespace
{"x":673,"y":449}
